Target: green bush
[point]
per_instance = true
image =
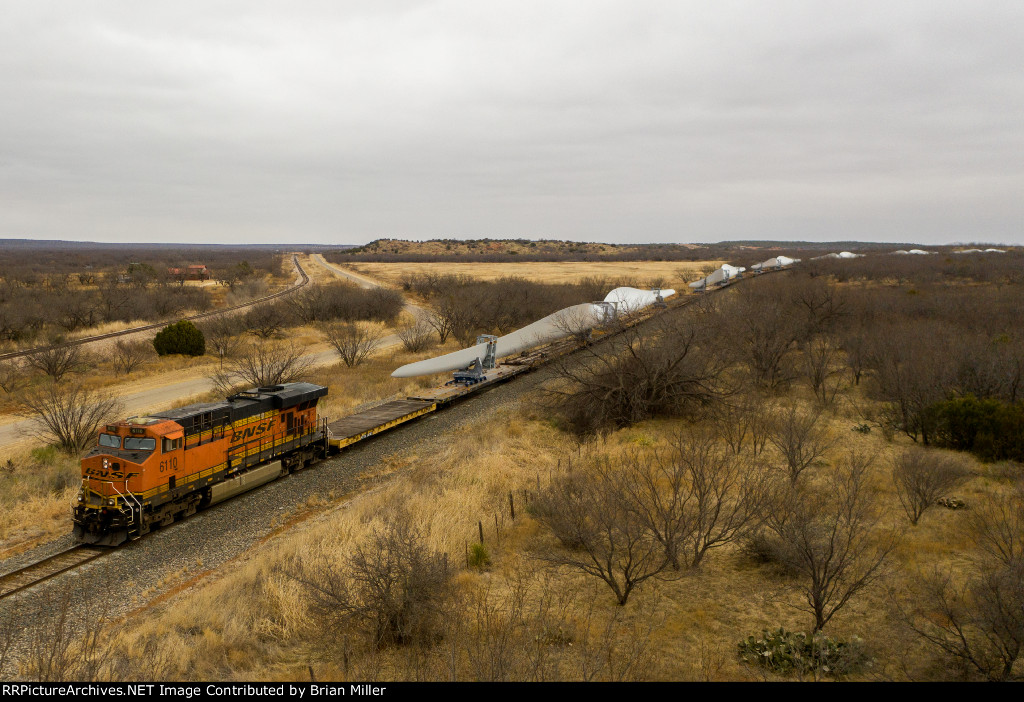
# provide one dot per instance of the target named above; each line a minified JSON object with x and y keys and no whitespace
{"x":787,"y":652}
{"x":182,"y":337}
{"x":478,"y":556}
{"x":991,"y":429}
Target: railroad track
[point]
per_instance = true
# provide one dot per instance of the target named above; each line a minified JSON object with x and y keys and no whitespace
{"x":80,"y":554}
{"x":159,"y":325}
{"x":37,"y":572}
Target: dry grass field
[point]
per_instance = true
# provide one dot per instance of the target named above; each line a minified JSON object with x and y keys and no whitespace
{"x":669,"y":273}
{"x":510,"y":611}
{"x":679,"y":628}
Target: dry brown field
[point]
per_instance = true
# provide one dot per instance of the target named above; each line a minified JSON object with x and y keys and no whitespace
{"x":688,"y":625}
{"x":641,"y":272}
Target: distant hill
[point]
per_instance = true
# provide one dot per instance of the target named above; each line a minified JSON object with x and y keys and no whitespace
{"x":507,"y":250}
{"x":515,"y":250}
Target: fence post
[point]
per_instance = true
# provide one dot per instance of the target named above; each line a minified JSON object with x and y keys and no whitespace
{"x":480,"y":524}
{"x":511,"y":505}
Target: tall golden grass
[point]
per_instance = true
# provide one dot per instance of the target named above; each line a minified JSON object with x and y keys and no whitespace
{"x":252,"y":618}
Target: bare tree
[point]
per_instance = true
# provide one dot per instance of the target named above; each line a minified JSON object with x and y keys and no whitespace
{"x":266,"y":320}
{"x":831,"y":540}
{"x":979,"y":624}
{"x":442,"y":324}
{"x":223,"y":334}
{"x":12,"y":375}
{"x":266,"y":363}
{"x":800,"y":438}
{"x":997,"y":527}
{"x":656,"y":491}
{"x":670,"y":367}
{"x":821,"y":359}
{"x":585,"y":509}
{"x":354,"y":342}
{"x":921,"y":477}
{"x":415,"y":335}
{"x":727,"y":496}
{"x":68,"y":415}
{"x":453,"y":318}
{"x":393,"y":586}
{"x":129,"y":355}
{"x":763,"y":321}
{"x":58,"y":361}
{"x":743,"y":424}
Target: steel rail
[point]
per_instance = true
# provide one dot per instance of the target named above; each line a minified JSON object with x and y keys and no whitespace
{"x":35,"y":573}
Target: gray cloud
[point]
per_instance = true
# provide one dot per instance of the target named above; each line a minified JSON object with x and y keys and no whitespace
{"x":650,"y":121}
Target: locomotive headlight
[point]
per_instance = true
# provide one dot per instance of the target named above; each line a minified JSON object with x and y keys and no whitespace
{"x":111,"y":502}
{"x":81,"y":499}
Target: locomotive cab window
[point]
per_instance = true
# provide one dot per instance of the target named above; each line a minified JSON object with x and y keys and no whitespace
{"x":110,"y":441}
{"x":172,"y":444}
{"x":136,"y":443}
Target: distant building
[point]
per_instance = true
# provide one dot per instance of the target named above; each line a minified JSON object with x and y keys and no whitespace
{"x":194,"y":272}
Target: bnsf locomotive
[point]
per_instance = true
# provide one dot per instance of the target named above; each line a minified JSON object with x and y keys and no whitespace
{"x":146,"y":471}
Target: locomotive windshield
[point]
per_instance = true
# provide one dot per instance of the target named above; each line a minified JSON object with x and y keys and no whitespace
{"x":135,"y":443}
{"x":110,"y":440}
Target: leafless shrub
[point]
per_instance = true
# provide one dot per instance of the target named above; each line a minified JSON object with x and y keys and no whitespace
{"x":821,"y":359}
{"x":393,"y":587}
{"x":761,"y":321}
{"x":800,"y":438}
{"x":997,"y":527}
{"x":266,"y":320}
{"x":58,"y":361}
{"x":353,"y":342}
{"x":265,"y":363}
{"x":12,"y":375}
{"x":415,"y":335}
{"x":442,"y":324}
{"x":663,"y":369}
{"x":614,"y":650}
{"x":68,"y":415}
{"x":588,"y":513}
{"x":921,"y":477}
{"x":979,"y":624}
{"x":223,"y":335}
{"x":743,"y":424}
{"x":129,"y":355}
{"x":831,"y":539}
{"x":914,"y":368}
{"x":726,"y":497}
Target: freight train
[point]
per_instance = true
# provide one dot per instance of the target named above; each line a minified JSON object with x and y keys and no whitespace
{"x":145,"y":472}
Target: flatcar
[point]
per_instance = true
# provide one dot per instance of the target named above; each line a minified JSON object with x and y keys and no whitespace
{"x":145,"y":472}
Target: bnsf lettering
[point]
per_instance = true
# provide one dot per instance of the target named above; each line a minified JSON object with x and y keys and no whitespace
{"x":105,"y":474}
{"x":260,"y":428}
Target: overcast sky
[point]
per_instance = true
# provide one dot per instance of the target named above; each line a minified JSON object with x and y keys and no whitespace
{"x":342,"y":122}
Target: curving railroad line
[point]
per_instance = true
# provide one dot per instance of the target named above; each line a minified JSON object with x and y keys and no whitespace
{"x":37,"y":572}
{"x":158,"y":325}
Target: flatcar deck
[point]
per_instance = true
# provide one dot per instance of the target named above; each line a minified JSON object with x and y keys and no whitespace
{"x":355,"y":427}
{"x":447,"y":393}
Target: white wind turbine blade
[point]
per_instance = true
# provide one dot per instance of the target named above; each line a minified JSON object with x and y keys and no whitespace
{"x":565,"y":322}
